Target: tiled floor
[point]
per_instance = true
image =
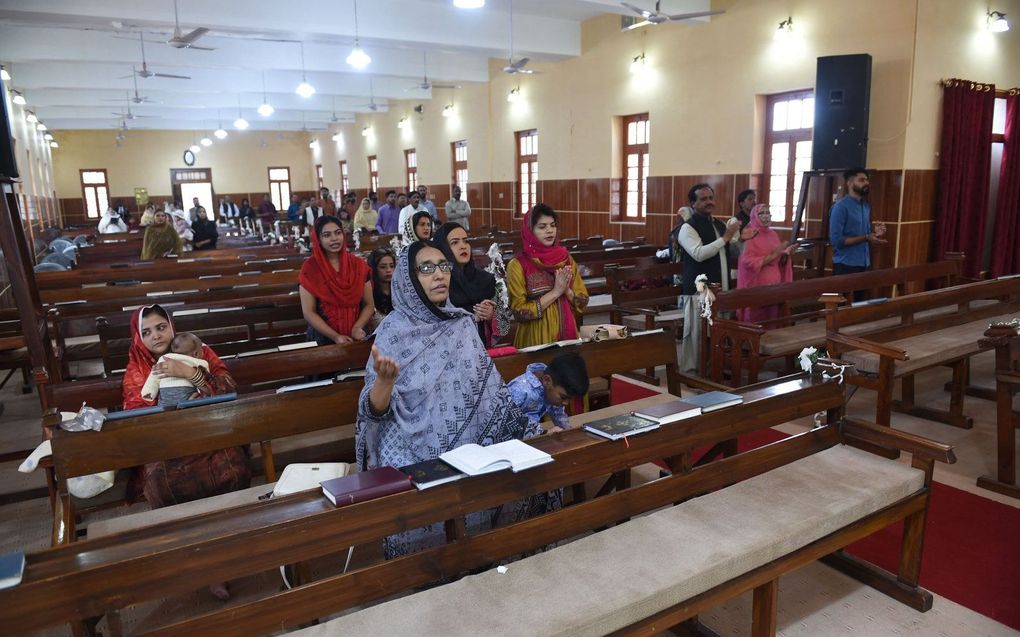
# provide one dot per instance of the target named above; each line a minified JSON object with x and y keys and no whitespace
{"x":814,"y":601}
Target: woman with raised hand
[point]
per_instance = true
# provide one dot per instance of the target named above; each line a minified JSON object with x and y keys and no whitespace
{"x":547,"y":295}
{"x":431,"y":387}
{"x":336,"y":287}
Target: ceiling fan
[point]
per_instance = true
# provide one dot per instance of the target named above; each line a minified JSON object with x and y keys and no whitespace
{"x":372,"y":106}
{"x":658,"y":17}
{"x":513,"y":68}
{"x":186,"y":40}
{"x":136,"y":98}
{"x":425,"y":84}
{"x":131,"y":116}
{"x":145,"y":73}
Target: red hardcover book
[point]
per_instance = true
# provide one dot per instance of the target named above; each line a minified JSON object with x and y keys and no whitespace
{"x":366,"y":485}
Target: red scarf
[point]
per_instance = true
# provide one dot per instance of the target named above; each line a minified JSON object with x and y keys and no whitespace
{"x":540,"y":262}
{"x":141,"y":361}
{"x":339,"y":293}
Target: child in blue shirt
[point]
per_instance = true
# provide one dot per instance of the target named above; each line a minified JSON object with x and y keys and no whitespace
{"x":543,"y":390}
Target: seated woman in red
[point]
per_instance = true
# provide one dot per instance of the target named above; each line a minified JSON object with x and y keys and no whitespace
{"x":178,"y":480}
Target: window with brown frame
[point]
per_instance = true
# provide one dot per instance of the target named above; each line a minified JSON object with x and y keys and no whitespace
{"x":95,"y":191}
{"x":279,"y":187}
{"x":636,"y":133}
{"x":411,"y":168}
{"x":458,"y":154}
{"x":373,"y":173}
{"x":318,"y":174}
{"x":789,"y":122}
{"x":345,"y":181}
{"x":527,"y":170}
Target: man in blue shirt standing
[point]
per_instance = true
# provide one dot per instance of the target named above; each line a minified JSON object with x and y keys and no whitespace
{"x":850,"y":231}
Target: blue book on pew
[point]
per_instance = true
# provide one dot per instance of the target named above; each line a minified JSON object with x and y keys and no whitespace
{"x":131,"y":413}
{"x":12,"y":566}
{"x":207,"y":400}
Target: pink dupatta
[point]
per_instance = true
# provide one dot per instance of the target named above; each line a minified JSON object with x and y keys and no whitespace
{"x":753,"y":272}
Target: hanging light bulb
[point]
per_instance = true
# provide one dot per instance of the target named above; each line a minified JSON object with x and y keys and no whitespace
{"x":996,"y":22}
{"x":40,"y":127}
{"x":4,"y":75}
{"x":48,"y":137}
{"x":205,"y":141}
{"x":304,"y":89}
{"x":18,"y":98}
{"x":358,"y":58}
{"x":54,"y":145}
{"x":265,"y":109}
{"x":30,"y":117}
{"x":195,"y":148}
{"x":219,"y":133}
{"x":240,"y":123}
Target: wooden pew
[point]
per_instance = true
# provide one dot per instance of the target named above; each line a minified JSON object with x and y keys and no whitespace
{"x":645,"y":307}
{"x":87,"y":579}
{"x":105,"y":255}
{"x":1006,"y":341}
{"x":157,"y":289}
{"x":739,"y":349}
{"x":929,"y":329}
{"x":603,"y":359}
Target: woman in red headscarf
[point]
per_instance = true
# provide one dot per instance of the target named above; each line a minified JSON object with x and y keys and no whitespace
{"x":336,"y":287}
{"x":546,"y":292}
{"x":764,"y":261}
{"x":178,"y":480}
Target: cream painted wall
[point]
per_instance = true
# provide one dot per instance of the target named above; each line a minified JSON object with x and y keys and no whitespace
{"x":31,"y":152}
{"x":239,"y":163}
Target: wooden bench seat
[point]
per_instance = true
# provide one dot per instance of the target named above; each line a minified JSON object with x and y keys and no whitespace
{"x":616,"y":578}
{"x":1006,"y":341}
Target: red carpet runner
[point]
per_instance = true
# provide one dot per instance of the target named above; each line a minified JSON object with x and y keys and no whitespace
{"x":972,"y":544}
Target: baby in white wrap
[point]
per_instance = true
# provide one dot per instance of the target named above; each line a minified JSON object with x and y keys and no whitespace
{"x":187,"y":348}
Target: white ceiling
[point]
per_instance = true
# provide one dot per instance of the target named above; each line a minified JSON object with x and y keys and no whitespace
{"x":69,"y":57}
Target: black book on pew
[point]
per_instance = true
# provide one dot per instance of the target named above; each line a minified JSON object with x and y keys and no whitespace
{"x":616,"y":427}
{"x":12,"y":566}
{"x":365,"y":485}
{"x":207,"y":400}
{"x":431,"y":473}
{"x":710,"y":401}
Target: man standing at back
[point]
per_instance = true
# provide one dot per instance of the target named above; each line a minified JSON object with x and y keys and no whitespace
{"x":426,"y":203}
{"x":193,"y":212}
{"x":389,"y":214}
{"x":228,"y":209}
{"x":458,"y":210}
{"x":326,"y":202}
{"x":702,"y":241}
{"x":850,"y":231}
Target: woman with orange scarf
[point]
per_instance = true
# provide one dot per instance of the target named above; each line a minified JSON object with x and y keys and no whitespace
{"x":547,"y":295}
{"x":336,"y":287}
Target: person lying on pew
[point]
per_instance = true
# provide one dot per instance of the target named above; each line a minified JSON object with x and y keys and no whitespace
{"x":547,"y":295}
{"x":472,"y":289}
{"x":336,"y":287}
{"x":382,"y":262}
{"x":170,"y":390}
{"x":160,"y":238}
{"x":543,"y":390}
{"x":765,"y":260}
{"x":179,"y":480}
{"x":430,"y":386}
{"x":204,"y":232}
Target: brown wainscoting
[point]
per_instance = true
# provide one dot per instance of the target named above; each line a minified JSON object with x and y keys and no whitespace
{"x":886,"y":187}
{"x":920,"y":189}
{"x":594,"y":195}
{"x":561,"y":194}
{"x":660,"y":195}
{"x":478,"y":195}
{"x":570,"y":223}
{"x":915,"y":243}
{"x":440,"y":194}
{"x":591,"y":224}
{"x":502,"y":193}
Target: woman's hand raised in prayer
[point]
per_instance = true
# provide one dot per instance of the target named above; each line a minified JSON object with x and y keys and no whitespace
{"x":485,"y":310}
{"x":564,"y":277}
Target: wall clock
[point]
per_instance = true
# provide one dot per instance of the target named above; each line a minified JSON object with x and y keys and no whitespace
{"x":189,"y":158}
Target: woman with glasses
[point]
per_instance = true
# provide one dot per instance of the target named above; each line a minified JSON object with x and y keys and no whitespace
{"x":336,"y":287}
{"x":764,"y":261}
{"x":431,"y":387}
{"x":547,"y":295}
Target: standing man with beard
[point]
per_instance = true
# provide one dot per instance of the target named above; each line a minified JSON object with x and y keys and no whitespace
{"x":850,"y":231}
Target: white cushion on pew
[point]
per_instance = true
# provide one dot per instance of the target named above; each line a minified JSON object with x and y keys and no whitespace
{"x":931,"y":348}
{"x":611,"y":579}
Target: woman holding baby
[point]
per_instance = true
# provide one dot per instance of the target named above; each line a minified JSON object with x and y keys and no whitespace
{"x":178,"y":480}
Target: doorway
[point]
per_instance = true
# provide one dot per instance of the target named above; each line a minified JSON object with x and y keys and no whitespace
{"x":188,"y":183}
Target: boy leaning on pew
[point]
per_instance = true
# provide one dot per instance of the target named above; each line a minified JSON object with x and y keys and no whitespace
{"x":543,"y":390}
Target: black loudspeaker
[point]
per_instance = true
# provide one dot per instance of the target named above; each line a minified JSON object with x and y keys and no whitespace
{"x":842,"y":103}
{"x":8,"y":167}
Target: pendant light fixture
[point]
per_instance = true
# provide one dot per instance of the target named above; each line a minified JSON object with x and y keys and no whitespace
{"x":358,"y":58}
{"x":240,"y":123}
{"x":219,"y":133}
{"x":265,"y":109}
{"x":304,"y":89}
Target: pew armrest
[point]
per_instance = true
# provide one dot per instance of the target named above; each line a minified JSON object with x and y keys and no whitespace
{"x":856,"y":342}
{"x":896,"y":439}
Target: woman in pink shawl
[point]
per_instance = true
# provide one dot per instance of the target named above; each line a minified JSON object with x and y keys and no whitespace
{"x":764,"y":261}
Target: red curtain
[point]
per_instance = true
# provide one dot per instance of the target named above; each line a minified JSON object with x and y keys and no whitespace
{"x":964,"y":169}
{"x":1006,"y":251}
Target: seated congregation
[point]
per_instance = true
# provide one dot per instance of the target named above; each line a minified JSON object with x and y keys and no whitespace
{"x":389,"y":358}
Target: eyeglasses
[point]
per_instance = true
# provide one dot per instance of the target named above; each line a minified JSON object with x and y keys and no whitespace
{"x":428,"y":267}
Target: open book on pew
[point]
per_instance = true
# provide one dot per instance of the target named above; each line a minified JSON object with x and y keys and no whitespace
{"x":512,"y":454}
{"x":544,"y":346}
{"x":365,"y":485}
